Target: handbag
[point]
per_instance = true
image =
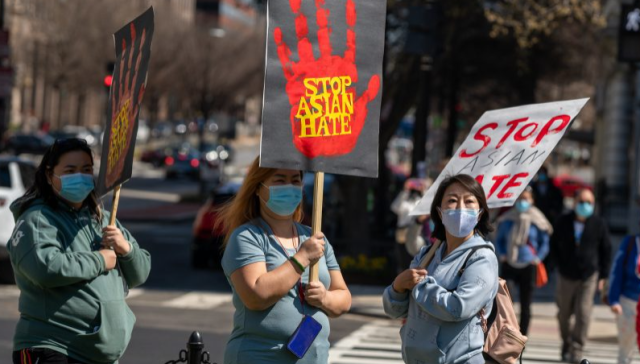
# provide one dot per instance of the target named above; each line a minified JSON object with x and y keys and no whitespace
{"x":541,"y":271}
{"x":541,"y":275}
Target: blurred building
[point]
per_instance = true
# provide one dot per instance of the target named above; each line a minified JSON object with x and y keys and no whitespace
{"x":618,"y":135}
{"x":43,"y":96}
{"x":227,"y":16}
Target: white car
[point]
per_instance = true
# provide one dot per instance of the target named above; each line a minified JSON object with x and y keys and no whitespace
{"x":16,"y":176}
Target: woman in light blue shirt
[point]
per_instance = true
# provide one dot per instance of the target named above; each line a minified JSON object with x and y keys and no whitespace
{"x":266,"y":259}
{"x":443,"y":303}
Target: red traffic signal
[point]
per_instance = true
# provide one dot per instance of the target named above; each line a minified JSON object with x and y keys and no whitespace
{"x":107,"y":80}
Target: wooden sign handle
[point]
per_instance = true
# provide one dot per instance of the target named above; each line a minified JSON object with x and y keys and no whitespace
{"x":316,"y":219}
{"x":114,"y":208}
{"x":429,"y":256}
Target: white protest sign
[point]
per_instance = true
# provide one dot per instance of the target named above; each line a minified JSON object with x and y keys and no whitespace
{"x":506,"y":148}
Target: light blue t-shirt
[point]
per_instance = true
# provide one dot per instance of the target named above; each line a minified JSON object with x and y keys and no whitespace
{"x":262,"y":336}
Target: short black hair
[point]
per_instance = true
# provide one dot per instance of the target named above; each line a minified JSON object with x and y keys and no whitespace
{"x":469,"y":183}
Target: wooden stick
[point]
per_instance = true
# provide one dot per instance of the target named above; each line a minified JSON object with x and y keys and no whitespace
{"x":429,"y":256}
{"x":316,"y":219}
{"x":114,"y":208}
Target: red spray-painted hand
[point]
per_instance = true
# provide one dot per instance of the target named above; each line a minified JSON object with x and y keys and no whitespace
{"x":326,"y":119}
{"x":124,"y":108}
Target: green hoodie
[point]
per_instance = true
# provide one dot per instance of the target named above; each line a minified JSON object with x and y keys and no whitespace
{"x":68,"y":301}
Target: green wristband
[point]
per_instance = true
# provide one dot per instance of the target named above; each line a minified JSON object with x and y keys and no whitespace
{"x":297,"y":263}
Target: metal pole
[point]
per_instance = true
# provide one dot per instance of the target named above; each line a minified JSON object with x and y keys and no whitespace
{"x":634,"y":202}
{"x":194,"y":348}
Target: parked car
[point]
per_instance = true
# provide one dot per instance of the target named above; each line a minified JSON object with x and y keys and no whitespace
{"x":570,"y":184}
{"x":16,"y":175}
{"x":184,"y":161}
{"x":28,"y":143}
{"x":207,"y":240}
{"x":157,"y":157}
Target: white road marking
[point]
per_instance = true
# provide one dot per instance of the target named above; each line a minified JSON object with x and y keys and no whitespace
{"x":198,"y":301}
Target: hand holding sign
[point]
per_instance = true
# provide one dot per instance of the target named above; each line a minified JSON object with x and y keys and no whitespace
{"x":325,"y":120}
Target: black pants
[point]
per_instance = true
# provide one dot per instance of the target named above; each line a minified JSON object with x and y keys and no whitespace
{"x":41,"y":356}
{"x":524,"y":278}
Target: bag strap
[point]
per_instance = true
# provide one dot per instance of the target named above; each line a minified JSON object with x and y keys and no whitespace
{"x":473,"y":250}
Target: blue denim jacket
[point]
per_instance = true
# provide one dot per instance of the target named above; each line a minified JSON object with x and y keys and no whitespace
{"x":443,"y":325}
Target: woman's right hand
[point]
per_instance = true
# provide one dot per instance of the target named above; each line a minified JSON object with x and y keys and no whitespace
{"x":110,"y":258}
{"x":408,"y":279}
{"x":311,"y":250}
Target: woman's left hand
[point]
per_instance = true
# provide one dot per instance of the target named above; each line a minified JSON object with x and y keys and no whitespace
{"x":112,"y":238}
{"x":315,"y":294}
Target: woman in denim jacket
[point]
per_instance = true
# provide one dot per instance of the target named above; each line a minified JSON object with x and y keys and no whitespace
{"x":442,"y":307}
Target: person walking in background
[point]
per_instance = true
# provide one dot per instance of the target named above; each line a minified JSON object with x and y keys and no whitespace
{"x":266,"y":255}
{"x":548,"y":197}
{"x":443,"y":303}
{"x":522,"y":243}
{"x":402,"y":206}
{"x":624,"y":289}
{"x":581,"y":248}
{"x":72,"y":297}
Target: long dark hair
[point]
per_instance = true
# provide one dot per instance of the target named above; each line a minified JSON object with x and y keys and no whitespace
{"x":41,"y":187}
{"x":469,"y":183}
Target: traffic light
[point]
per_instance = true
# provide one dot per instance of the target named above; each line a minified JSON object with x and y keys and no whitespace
{"x":629,"y":33}
{"x":108,"y":78}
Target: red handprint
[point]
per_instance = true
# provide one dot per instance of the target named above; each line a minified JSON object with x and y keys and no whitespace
{"x":124,"y":108}
{"x":324,"y":118}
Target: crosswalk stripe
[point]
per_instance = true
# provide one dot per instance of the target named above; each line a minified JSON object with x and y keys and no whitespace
{"x":379,"y":343}
{"x":198,"y":301}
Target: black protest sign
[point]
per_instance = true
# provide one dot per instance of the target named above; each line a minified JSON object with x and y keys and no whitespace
{"x":323,"y":86}
{"x":133,"y":49}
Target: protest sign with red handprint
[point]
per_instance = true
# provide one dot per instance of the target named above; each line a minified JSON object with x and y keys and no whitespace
{"x":133,"y":48}
{"x":326,"y":115}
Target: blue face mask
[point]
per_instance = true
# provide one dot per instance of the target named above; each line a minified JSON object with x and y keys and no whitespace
{"x":460,"y":223}
{"x":542,"y":177}
{"x":523,"y":206}
{"x":283,"y":200}
{"x":76,"y":187}
{"x":584,"y":210}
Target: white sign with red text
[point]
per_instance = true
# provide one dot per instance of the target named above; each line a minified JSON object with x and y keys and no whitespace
{"x":506,"y":148}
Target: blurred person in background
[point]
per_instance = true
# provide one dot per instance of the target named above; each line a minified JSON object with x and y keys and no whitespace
{"x":442,"y":304}
{"x":581,"y":250}
{"x":549,"y":200}
{"x":402,"y":206}
{"x":72,"y":297}
{"x":267,"y":252}
{"x":547,"y":195}
{"x":419,"y":234}
{"x":624,"y":289}
{"x":522,"y":243}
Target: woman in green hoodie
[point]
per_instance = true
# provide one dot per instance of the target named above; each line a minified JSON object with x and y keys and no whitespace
{"x":72,"y":269}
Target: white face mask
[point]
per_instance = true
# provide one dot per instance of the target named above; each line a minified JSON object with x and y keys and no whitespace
{"x":460,"y":223}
